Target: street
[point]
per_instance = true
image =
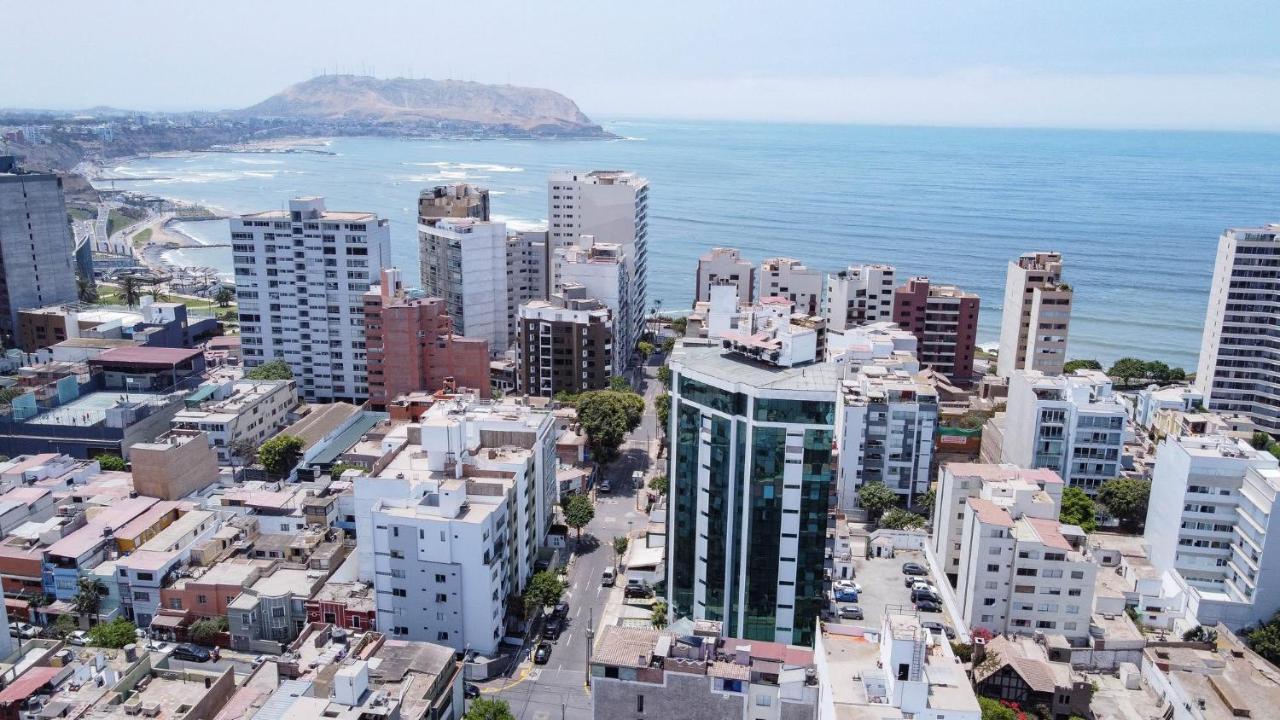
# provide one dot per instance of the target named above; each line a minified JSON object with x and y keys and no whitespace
{"x":558,"y":689}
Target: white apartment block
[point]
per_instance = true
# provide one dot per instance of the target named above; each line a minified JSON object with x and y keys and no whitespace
{"x":725,"y":266}
{"x":1021,"y":571}
{"x":301,"y":276}
{"x":249,"y":410}
{"x":1070,"y":424}
{"x":858,"y":295}
{"x":528,"y":277}
{"x":958,"y":482}
{"x":464,"y":262}
{"x":789,"y":278}
{"x":888,"y":418}
{"x":449,"y":528}
{"x":1149,"y":401}
{"x":613,"y":207}
{"x":1036,"y":316}
{"x":1238,"y":370}
{"x":1253,"y":572}
{"x":601,"y":269}
{"x":877,"y":343}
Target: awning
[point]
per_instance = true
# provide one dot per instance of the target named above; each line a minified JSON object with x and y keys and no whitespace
{"x":168,"y":621}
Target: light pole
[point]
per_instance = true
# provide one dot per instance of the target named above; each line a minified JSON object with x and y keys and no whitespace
{"x":591,"y":634}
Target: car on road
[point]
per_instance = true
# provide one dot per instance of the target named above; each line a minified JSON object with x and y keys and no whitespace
{"x":471,"y":692}
{"x":562,"y":609}
{"x":850,"y":612}
{"x":928,"y":606}
{"x":23,"y":630}
{"x":193,"y":653}
{"x":847,"y":585}
{"x":842,"y":595}
{"x":78,"y":637}
{"x":542,"y":653}
{"x":608,"y":577}
{"x":604,"y":486}
{"x":551,"y":628}
{"x":911,"y":568}
{"x":636,"y":589}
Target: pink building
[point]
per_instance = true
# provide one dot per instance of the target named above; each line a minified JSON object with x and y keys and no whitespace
{"x":411,"y":346}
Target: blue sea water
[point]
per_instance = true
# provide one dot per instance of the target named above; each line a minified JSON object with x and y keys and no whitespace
{"x":1136,"y":214}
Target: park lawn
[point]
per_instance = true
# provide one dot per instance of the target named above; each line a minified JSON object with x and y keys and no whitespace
{"x":142,"y":237}
{"x":117,"y":221}
{"x":80,"y":214}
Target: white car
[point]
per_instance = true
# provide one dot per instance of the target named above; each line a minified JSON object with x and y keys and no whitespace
{"x":23,"y":630}
{"x":921,"y":585}
{"x":847,"y":585}
{"x":78,"y":637}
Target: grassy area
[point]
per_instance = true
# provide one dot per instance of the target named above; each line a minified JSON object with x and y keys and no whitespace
{"x":80,"y":214}
{"x":117,"y":221}
{"x":142,"y":237}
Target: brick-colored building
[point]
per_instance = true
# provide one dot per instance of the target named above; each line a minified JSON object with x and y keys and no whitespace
{"x":565,"y":344}
{"x":944,"y":320}
{"x":209,"y":592}
{"x":344,"y":604}
{"x":411,"y":346}
{"x":177,"y":464}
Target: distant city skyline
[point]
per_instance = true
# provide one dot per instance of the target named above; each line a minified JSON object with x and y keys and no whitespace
{"x":1089,"y":64}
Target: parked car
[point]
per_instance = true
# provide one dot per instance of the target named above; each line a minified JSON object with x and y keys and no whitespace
{"x":258,"y":661}
{"x":922,"y":585}
{"x":562,"y":609}
{"x":938,"y":628}
{"x":850,"y":612}
{"x":845,"y":596}
{"x":551,"y":628}
{"x":604,"y":486}
{"x":609,"y":577}
{"x":471,"y":692}
{"x":193,"y":653}
{"x":911,"y":568}
{"x":928,"y":606}
{"x":78,"y":637}
{"x":917,"y":595}
{"x":23,"y":630}
{"x":159,"y":646}
{"x":847,"y":585}
{"x":637,"y":479}
{"x":542,"y":653}
{"x":636,"y":589}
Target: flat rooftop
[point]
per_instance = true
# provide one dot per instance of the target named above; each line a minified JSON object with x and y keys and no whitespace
{"x":91,"y":409}
{"x":726,"y":366}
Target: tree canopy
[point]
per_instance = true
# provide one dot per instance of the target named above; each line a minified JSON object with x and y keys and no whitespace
{"x":578,"y":511}
{"x":875,"y":498}
{"x":1126,"y":500}
{"x":111,"y":462}
{"x":1129,"y":370}
{"x":88,"y":597}
{"x":280,"y":453}
{"x":662,"y":406}
{"x":544,"y":589}
{"x":270,"y":370}
{"x":114,"y":634}
{"x":483,"y":708}
{"x":645,"y":349}
{"x":993,"y":710}
{"x":1078,"y":509}
{"x":898,"y":519}
{"x":205,"y":631}
{"x":607,"y":416}
{"x":1266,"y":640}
{"x":659,"y":484}
{"x":658,"y":614}
{"x":1074,"y":365}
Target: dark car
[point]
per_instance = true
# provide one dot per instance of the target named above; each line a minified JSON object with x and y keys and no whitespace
{"x":913,"y":569}
{"x":551,"y":628}
{"x":193,"y":653}
{"x":562,"y":610}
{"x":842,"y":595}
{"x":636,"y":589}
{"x":851,"y":612}
{"x":932,"y":626}
{"x":922,"y":594}
{"x":471,"y":692}
{"x":542,"y":653}
{"x":928,"y":606}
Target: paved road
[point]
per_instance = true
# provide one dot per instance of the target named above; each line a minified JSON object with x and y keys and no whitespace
{"x":557,"y":689}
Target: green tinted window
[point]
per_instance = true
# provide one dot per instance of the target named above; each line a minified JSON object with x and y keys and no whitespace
{"x":714,"y":398}
{"x":806,"y":412}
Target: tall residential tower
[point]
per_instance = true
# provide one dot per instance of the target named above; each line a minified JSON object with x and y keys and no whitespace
{"x":1037,"y":313}
{"x":37,"y":251}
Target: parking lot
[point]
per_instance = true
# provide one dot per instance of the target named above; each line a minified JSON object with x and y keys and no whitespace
{"x":881,"y":580}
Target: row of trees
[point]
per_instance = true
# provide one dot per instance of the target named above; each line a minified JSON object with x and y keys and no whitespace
{"x":1124,"y":499}
{"x":1129,"y":371}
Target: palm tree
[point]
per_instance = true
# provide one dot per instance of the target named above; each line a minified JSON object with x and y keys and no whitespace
{"x":224,"y":296}
{"x":131,"y":289}
{"x":86,"y":290}
{"x":88,"y":598}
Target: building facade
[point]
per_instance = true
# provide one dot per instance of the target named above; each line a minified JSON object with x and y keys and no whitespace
{"x":565,"y":344}
{"x":37,"y":250}
{"x":725,"y":266}
{"x":944,"y":319}
{"x":1238,"y":372}
{"x":887,"y":435}
{"x":412,"y":347}
{"x":601,"y":270}
{"x":1036,"y":316}
{"x":461,"y":200}
{"x":789,"y":278}
{"x":301,"y":276}
{"x":858,"y":295}
{"x":464,"y":263}
{"x":752,"y":467}
{"x":250,"y":412}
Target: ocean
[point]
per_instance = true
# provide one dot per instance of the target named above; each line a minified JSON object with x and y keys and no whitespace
{"x":1137,"y":215}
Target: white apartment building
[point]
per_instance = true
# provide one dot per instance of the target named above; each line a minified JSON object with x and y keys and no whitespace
{"x":1149,"y":401}
{"x":1036,"y":316}
{"x":789,"y":278}
{"x":301,"y":276}
{"x":888,"y":418}
{"x":858,"y":295}
{"x":751,"y":471}
{"x":449,"y":528}
{"x":1070,"y":424}
{"x":1238,"y":370}
{"x":246,"y":410}
{"x":613,"y":207}
{"x":1021,"y":571}
{"x":725,"y":266}
{"x":464,"y":262}
{"x":958,"y":482}
{"x":877,"y":343}
{"x":601,"y":269}
{"x":528,"y":274}
{"x":1253,"y":572}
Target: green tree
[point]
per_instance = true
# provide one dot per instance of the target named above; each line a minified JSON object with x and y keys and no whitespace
{"x":1261,"y":440}
{"x":88,"y":598}
{"x":668,"y":345}
{"x":578,"y":511}
{"x":488,"y":709}
{"x":1078,"y":509}
{"x":270,"y":370}
{"x":1200,"y":633}
{"x":1126,"y":500}
{"x":607,"y":416}
{"x":659,"y":484}
{"x":620,"y":543}
{"x":927,"y":501}
{"x":1074,"y":365}
{"x":206,"y":630}
{"x":336,"y":471}
{"x":131,"y":289}
{"x":114,"y":634}
{"x":280,"y":453}
{"x":64,"y":626}
{"x":544,"y":589}
{"x":7,"y":395}
{"x":86,"y":290}
{"x":1128,"y":369}
{"x":1158,"y":372}
{"x":680,"y":325}
{"x":1266,"y":640}
{"x":898,"y":519}
{"x":111,"y":462}
{"x":224,"y":296}
{"x":662,"y":407}
{"x":875,"y":498}
{"x":566,"y":398}
{"x":664,"y":375}
{"x":658,"y":614}
{"x":617,"y":383}
{"x":993,"y":710}
{"x":645,"y":349}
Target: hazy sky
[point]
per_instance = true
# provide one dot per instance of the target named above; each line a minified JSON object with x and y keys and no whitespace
{"x":1081,"y":63}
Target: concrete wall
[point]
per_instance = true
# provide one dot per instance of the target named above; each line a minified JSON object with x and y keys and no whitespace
{"x":680,"y":696}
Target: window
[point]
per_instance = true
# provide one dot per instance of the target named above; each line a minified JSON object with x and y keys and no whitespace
{"x":440,"y":578}
{"x":442,"y":636}
{"x":144,"y":597}
{"x":639,"y":703}
{"x":763,"y":700}
{"x":441,"y":597}
{"x":202,"y":599}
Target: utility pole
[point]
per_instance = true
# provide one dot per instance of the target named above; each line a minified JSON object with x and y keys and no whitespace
{"x":591,"y":634}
